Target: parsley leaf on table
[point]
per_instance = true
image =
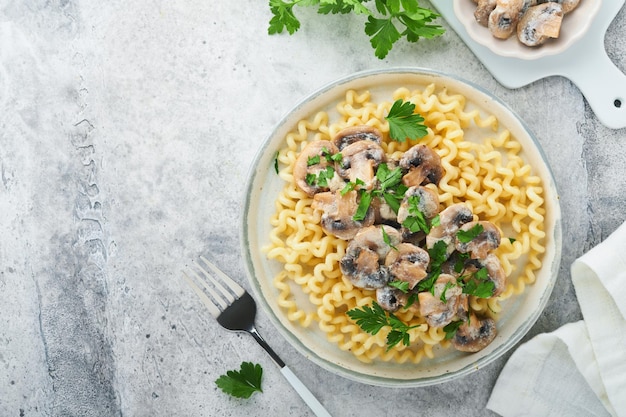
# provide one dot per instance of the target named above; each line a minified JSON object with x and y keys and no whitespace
{"x":242,"y":383}
{"x":283,"y":17}
{"x":387,"y":22}
{"x":403,"y":123}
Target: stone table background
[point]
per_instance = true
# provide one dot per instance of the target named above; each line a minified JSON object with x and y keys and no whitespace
{"x":126,"y":133}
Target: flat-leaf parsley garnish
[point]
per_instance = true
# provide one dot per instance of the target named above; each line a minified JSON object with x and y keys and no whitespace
{"x":242,"y":383}
{"x":373,"y":319}
{"x":404,"y":123}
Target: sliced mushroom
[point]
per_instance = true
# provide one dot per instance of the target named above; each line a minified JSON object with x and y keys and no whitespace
{"x":495,"y":272}
{"x":389,"y":298}
{"x":423,"y":166}
{"x":359,"y":162}
{"x":474,"y":334}
{"x":503,"y":19}
{"x":427,"y":203}
{"x":483,"y":243}
{"x":338,"y":213}
{"x":362,"y":263}
{"x":360,"y":266}
{"x":462,"y":307}
{"x":375,"y":239}
{"x":383,"y":212}
{"x":352,"y":134}
{"x":450,"y":220}
{"x":306,"y":165}
{"x":530,"y":3}
{"x":440,"y":307}
{"x":540,"y":23}
{"x":483,"y":10}
{"x":568,"y":5}
{"x":408,"y":263}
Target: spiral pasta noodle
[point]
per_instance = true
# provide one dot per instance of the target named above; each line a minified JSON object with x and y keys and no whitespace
{"x":489,"y":175}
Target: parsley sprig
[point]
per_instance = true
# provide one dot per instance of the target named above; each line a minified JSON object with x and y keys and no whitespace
{"x":404,"y":122}
{"x":382,"y":24}
{"x":242,"y":383}
{"x":373,"y":319}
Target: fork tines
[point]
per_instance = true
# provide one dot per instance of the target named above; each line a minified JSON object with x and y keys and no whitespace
{"x":211,"y":288}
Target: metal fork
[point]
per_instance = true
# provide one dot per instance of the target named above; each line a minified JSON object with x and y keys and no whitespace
{"x":235,"y":310}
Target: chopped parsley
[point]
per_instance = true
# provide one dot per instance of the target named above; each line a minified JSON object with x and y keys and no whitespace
{"x":400,"y":285}
{"x":466,"y":236}
{"x":388,"y":178}
{"x":387,"y":239}
{"x":313,"y":160}
{"x":459,"y":264}
{"x":416,"y":221}
{"x":443,"y":297}
{"x":451,"y":328}
{"x":438,"y":255}
{"x":479,"y":284}
{"x":391,"y":189}
{"x":322,"y":178}
{"x":337,"y":157}
{"x":328,"y":156}
{"x":364,"y":205}
{"x":350,"y":186}
{"x":276,"y":162}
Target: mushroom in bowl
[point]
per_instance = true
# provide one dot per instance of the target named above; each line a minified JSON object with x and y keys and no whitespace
{"x":526,"y":29}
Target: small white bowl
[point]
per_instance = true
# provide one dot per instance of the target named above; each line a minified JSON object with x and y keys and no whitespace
{"x":519,"y":312}
{"x":575,"y":25}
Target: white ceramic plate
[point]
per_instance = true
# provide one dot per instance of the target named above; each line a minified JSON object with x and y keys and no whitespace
{"x":575,"y":25}
{"x":519,"y":313}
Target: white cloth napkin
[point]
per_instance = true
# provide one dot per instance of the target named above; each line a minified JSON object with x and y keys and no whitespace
{"x":579,"y":369}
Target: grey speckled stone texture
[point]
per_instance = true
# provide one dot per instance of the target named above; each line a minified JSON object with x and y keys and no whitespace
{"x":126,"y":133}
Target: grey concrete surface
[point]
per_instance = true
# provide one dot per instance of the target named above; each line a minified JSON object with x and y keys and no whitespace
{"x":126,"y":133}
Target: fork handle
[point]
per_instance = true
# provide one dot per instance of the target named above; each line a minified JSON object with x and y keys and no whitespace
{"x":295,"y":382}
{"x":304,"y":393}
